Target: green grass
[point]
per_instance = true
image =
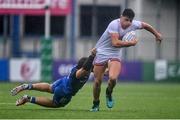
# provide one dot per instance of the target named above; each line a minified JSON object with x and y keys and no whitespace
{"x":134,"y":100}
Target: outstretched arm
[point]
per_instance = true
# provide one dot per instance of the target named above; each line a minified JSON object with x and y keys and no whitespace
{"x":87,"y":66}
{"x":149,"y":28}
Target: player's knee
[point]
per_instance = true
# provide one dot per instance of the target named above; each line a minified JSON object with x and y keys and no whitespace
{"x":112,"y":78}
{"x":112,"y":82}
{"x":97,"y":83}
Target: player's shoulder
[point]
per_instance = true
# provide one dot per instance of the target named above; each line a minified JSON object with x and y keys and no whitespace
{"x":114,"y":22}
{"x":74,"y":68}
{"x":113,"y":25}
{"x":137,"y":24}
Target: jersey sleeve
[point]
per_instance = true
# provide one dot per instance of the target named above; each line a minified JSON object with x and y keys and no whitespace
{"x":137,"y":24}
{"x":113,"y":27}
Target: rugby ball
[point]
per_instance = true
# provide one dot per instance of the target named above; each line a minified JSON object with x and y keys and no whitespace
{"x":129,"y":36}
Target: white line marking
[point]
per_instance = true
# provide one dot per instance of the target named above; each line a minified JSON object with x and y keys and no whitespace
{"x":7,"y":103}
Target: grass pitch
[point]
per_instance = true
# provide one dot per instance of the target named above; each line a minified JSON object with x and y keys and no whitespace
{"x":132,"y":100}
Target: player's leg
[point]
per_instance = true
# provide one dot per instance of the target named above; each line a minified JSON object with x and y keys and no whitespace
{"x":114,"y":70}
{"x":42,"y":101}
{"x":45,"y":87}
{"x":60,"y":98}
{"x":98,"y":74}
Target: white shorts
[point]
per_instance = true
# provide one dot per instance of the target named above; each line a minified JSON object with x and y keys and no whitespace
{"x":101,"y":60}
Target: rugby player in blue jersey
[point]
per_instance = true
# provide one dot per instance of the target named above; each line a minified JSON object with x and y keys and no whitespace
{"x":63,"y":89}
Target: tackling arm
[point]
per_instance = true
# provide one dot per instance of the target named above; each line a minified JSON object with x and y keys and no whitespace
{"x":86,"y":68}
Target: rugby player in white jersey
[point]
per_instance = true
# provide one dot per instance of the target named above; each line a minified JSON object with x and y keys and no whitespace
{"x":109,"y":53}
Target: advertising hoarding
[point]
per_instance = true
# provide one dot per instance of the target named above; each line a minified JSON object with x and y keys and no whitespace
{"x":4,"y":70}
{"x":25,"y":70}
{"x":34,"y":7}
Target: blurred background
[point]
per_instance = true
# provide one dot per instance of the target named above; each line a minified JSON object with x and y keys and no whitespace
{"x":40,"y":40}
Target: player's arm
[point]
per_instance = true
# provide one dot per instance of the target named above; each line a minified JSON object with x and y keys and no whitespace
{"x":87,"y":66}
{"x":149,"y":28}
{"x":119,"y":43}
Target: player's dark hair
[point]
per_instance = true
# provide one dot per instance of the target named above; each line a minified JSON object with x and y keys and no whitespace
{"x":81,"y":62}
{"x":128,"y":13}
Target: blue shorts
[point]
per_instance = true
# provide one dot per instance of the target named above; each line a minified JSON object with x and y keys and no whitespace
{"x":61,"y":96}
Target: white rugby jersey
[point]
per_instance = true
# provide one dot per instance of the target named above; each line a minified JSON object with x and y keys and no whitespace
{"x":104,"y":44}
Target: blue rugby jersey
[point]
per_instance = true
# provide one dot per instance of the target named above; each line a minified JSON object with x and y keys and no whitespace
{"x":74,"y":84}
